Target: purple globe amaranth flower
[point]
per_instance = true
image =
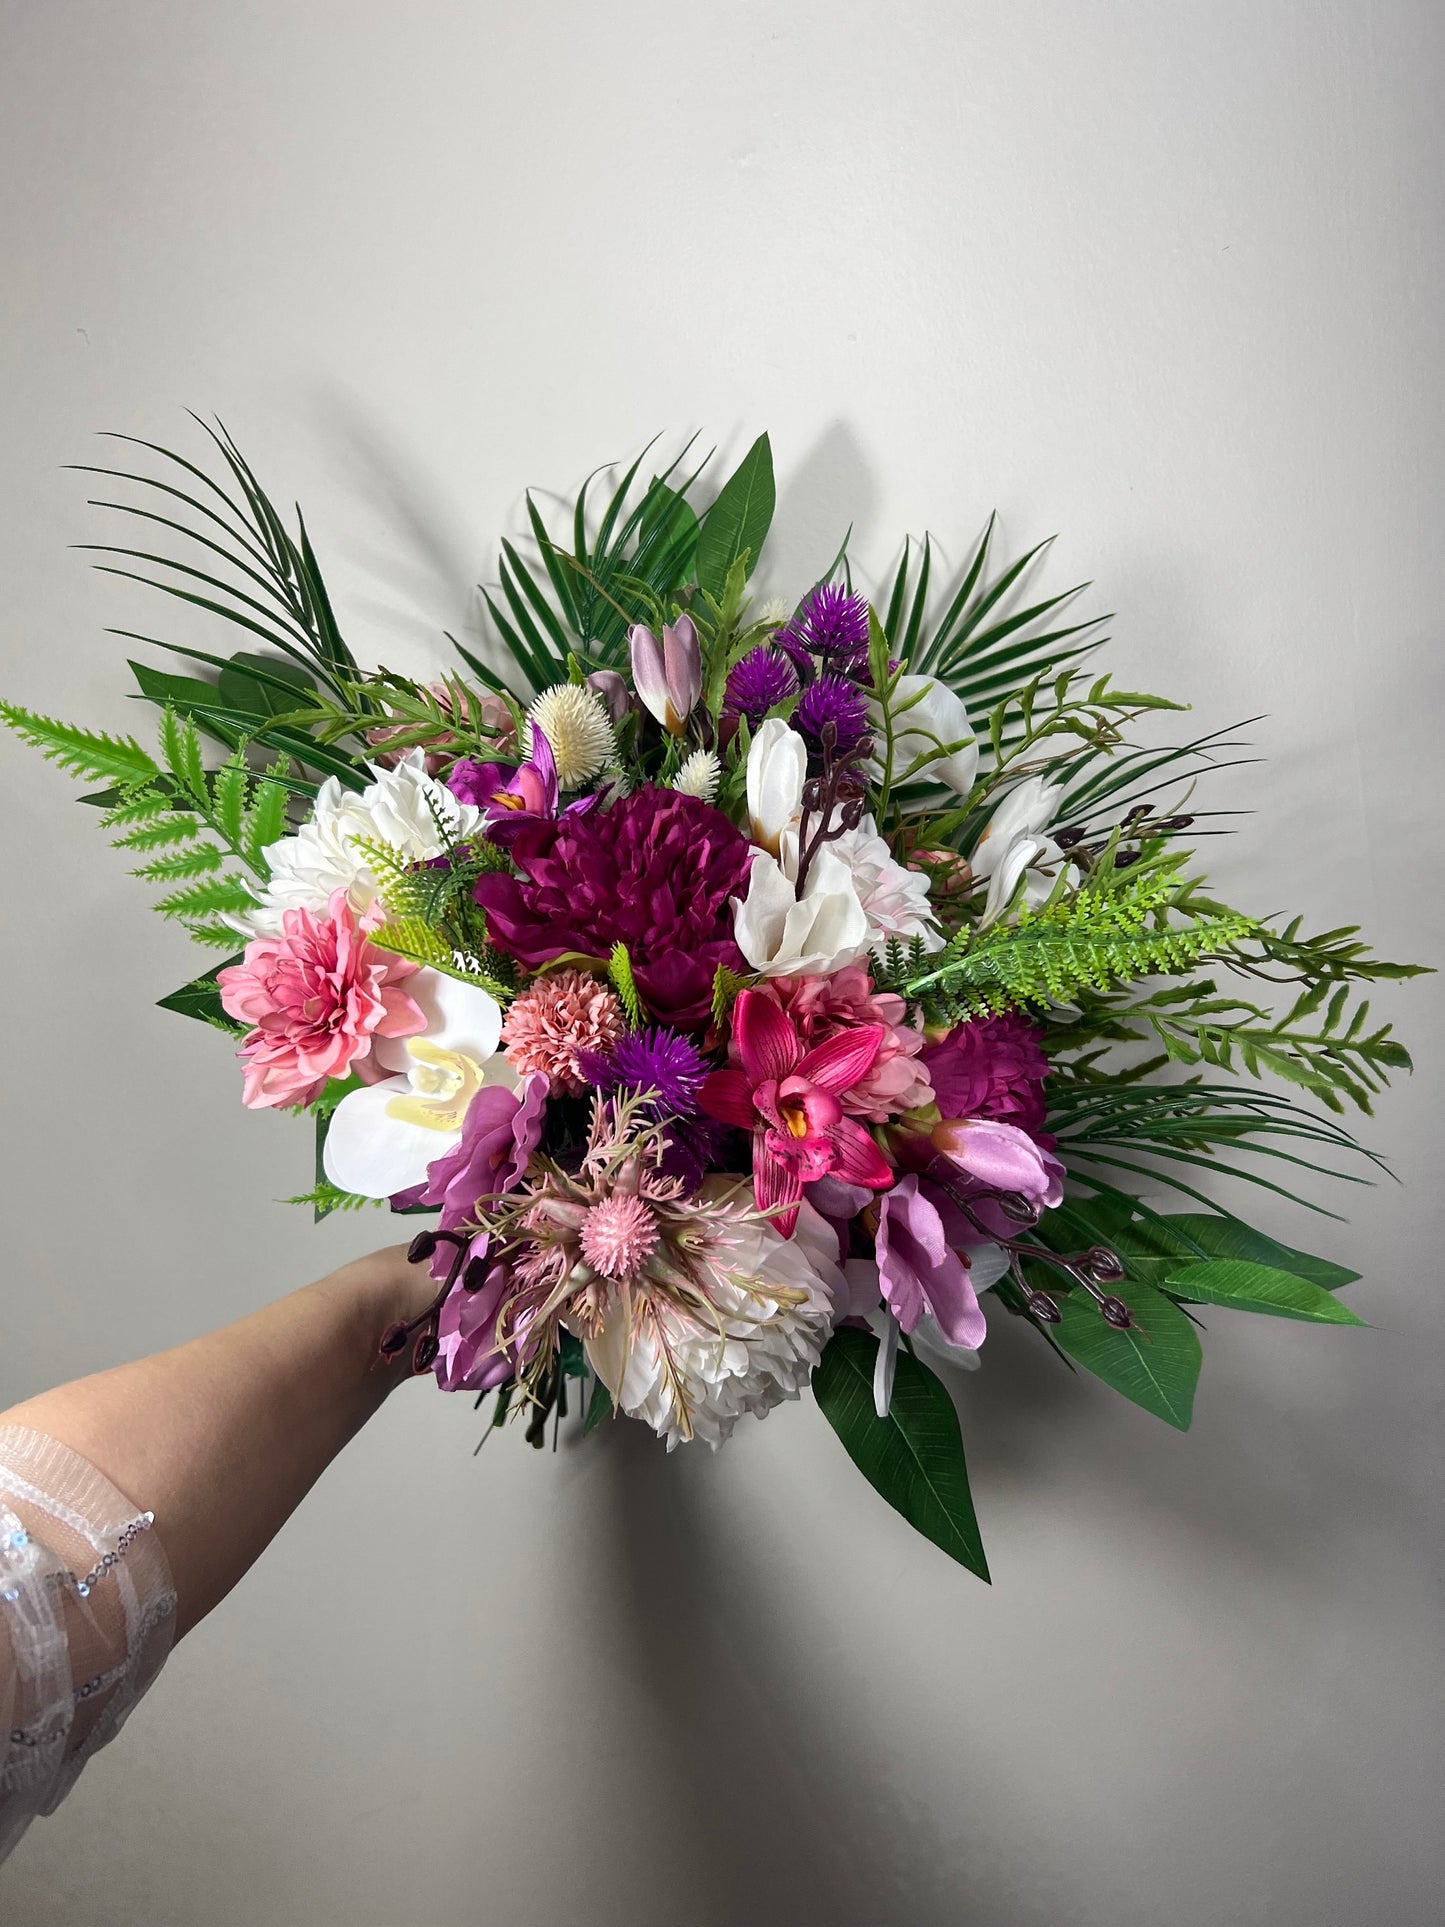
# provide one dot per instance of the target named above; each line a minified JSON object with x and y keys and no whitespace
{"x":831,"y":625}
{"x":656,"y":872}
{"x":760,"y":679}
{"x":991,"y":1067}
{"x":832,"y":699}
{"x":657,"y":1060}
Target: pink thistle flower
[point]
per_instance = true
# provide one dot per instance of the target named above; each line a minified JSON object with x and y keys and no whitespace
{"x":791,"y":1101}
{"x":822,"y":1007}
{"x":558,"y":1017}
{"x":619,"y":1235}
{"x":317,"y":995}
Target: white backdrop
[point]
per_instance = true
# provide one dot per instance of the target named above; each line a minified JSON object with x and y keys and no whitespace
{"x":1165,"y":277}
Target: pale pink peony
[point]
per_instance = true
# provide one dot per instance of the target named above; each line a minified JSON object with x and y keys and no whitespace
{"x":317,"y":995}
{"x":820,"y":1007}
{"x":555,"y":1018}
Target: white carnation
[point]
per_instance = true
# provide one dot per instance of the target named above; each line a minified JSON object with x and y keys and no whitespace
{"x":759,"y":1352}
{"x":400,"y":808}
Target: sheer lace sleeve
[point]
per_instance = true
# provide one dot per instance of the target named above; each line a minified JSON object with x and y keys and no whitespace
{"x":87,"y":1613}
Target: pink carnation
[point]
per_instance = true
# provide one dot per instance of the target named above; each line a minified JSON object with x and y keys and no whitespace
{"x":317,"y":995}
{"x":555,"y":1018}
{"x":820,"y":1007}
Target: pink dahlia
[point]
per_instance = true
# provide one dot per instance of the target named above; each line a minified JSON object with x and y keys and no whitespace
{"x":317,"y":995}
{"x":557,"y":1017}
{"x":656,"y":871}
{"x":821,"y":1007}
{"x":991,"y":1067}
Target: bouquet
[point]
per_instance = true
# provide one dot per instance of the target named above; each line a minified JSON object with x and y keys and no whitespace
{"x":749,"y":993}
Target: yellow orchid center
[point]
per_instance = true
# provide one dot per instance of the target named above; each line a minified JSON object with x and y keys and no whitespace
{"x":443,"y":1084}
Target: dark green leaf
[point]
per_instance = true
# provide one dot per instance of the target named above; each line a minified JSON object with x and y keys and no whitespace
{"x":240,"y":687}
{"x":738,"y":520}
{"x":201,"y":998}
{"x":1248,"y":1287}
{"x":1155,"y":1362}
{"x":914,"y":1457}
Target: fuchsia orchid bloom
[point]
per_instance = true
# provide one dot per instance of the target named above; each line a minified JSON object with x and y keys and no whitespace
{"x":509,"y":798}
{"x":789,"y":1099}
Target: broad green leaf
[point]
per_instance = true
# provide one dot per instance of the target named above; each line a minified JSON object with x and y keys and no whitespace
{"x":914,"y":1457}
{"x":1155,"y":1362}
{"x":738,"y":520}
{"x":599,"y":1406}
{"x":1221,"y":1237}
{"x":201,"y":998}
{"x":240,"y":688}
{"x":1247,"y":1287}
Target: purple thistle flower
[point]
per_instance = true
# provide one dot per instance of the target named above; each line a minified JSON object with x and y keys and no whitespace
{"x":831,"y":625}
{"x":651,"y":1060}
{"x":763,"y":677}
{"x":831,"y":699}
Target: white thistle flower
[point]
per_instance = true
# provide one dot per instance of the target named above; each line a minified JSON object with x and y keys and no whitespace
{"x":700,"y":776}
{"x":400,"y":808}
{"x":574,"y":720}
{"x":775,"y":611}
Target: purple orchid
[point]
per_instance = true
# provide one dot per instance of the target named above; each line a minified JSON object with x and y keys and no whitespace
{"x":989,"y":1156}
{"x":921,"y":1268}
{"x":510,"y":799}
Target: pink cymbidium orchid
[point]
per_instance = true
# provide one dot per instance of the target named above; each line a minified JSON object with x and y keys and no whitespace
{"x":509,"y":799}
{"x":789,"y":1099}
{"x":668,"y":674}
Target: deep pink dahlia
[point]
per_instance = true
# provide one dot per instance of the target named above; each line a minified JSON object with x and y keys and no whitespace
{"x":655,"y":872}
{"x":991,"y":1067}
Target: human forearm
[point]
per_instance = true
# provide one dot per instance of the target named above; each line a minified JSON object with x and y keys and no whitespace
{"x":222,"y":1437}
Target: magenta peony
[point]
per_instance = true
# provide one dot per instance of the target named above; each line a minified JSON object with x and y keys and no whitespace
{"x":317,"y":995}
{"x":820,"y":1007}
{"x":991,"y":1067}
{"x":656,"y":872}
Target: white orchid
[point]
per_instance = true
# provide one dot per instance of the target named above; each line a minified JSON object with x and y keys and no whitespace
{"x":1016,"y":847}
{"x":929,"y":720}
{"x":400,"y":808}
{"x":777,"y":771}
{"x":382,"y":1138}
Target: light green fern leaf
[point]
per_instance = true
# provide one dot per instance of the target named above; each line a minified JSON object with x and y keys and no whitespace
{"x":90,"y":754}
{"x":619,"y":969}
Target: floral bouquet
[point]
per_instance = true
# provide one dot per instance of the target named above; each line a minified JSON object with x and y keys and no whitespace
{"x":750,"y":992}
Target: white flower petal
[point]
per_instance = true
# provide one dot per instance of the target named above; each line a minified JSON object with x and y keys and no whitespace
{"x":374,"y":1154}
{"x":459,"y":1016}
{"x":777,"y":770}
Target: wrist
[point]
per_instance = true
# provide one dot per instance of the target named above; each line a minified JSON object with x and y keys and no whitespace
{"x":379,"y":1291}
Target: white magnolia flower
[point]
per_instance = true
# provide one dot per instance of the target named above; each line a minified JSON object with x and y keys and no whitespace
{"x":399,"y":808}
{"x":777,"y":770}
{"x":782,"y":936}
{"x":930,"y":720}
{"x":1016,"y":847}
{"x":700,"y":775}
{"x":382,"y":1138}
{"x":575,"y":722}
{"x":757,"y":1352}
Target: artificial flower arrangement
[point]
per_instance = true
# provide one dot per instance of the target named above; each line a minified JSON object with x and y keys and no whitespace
{"x":751,"y":992}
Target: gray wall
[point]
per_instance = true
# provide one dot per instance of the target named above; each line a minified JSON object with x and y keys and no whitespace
{"x":1164,"y":277}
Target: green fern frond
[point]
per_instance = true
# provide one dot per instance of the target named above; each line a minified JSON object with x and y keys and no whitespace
{"x":181,"y":747}
{"x":1085,"y":942}
{"x":217,"y":896}
{"x":411,"y":938}
{"x":200,"y":860}
{"x":170,"y":830}
{"x":725,"y":987}
{"x":327,"y":1197}
{"x":229,"y":792}
{"x":213,"y":933}
{"x":264,"y":822}
{"x":90,"y":754}
{"x":619,"y":969}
